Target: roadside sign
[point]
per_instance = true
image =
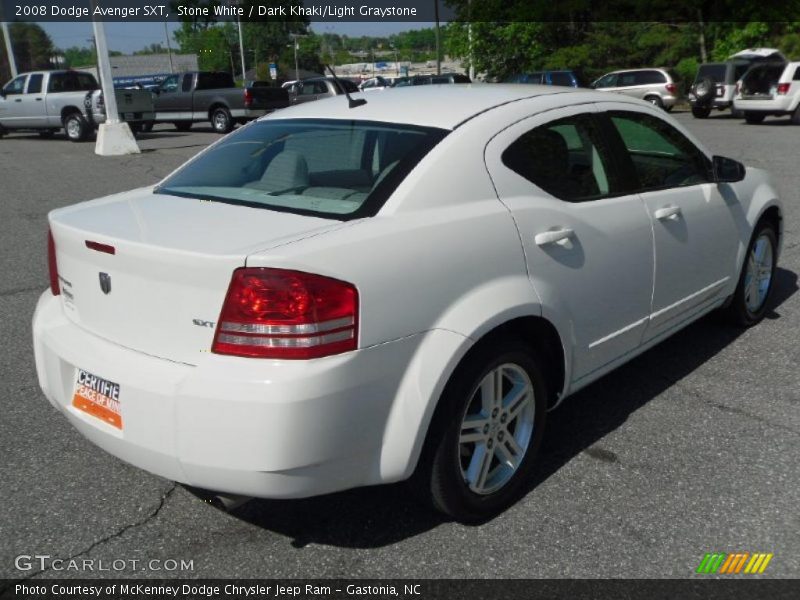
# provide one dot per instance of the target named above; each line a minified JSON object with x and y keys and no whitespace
{"x":273,"y":70}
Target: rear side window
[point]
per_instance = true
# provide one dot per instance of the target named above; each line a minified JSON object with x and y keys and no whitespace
{"x":214,"y":81}
{"x":796,"y":75}
{"x":650,"y":78}
{"x":329,"y":168}
{"x":561,"y":78}
{"x":661,"y":156}
{"x":567,"y":158}
{"x":35,"y":83}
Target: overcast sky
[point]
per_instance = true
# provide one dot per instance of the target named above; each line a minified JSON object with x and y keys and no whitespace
{"x":129,"y":37}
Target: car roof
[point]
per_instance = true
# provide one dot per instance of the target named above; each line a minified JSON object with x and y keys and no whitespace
{"x":443,"y":106}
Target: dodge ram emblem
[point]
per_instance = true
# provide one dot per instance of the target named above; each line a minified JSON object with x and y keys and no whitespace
{"x":105,"y":282}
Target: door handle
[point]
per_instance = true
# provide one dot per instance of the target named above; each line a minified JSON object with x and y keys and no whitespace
{"x":18,"y":100}
{"x":38,"y":99}
{"x":667,"y":212}
{"x":552,"y":237}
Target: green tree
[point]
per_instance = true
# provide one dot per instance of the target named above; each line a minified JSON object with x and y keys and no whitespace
{"x":33,"y":49}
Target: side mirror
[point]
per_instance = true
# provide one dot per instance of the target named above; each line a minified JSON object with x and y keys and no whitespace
{"x":727,"y":170}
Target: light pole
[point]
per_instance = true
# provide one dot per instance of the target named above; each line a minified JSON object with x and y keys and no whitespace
{"x":294,"y":37}
{"x":12,"y":63}
{"x":169,"y":48}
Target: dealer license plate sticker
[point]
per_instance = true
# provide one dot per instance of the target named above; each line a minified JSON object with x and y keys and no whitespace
{"x":97,"y":397}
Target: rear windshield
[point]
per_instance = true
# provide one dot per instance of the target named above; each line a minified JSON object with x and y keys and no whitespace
{"x":329,"y":168}
{"x":715,"y":72}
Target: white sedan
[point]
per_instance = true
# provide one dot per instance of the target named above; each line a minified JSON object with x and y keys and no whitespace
{"x":334,"y":297}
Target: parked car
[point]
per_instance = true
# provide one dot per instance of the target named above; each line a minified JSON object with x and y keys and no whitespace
{"x":373,"y":84}
{"x":312,"y":325}
{"x":431,"y":79}
{"x":657,"y":86}
{"x":770,"y":89}
{"x":46,"y":101}
{"x":194,"y":96}
{"x":715,"y":84}
{"x":564,"y":78}
{"x":316,"y":88}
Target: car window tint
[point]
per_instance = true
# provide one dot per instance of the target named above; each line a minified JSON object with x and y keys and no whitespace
{"x":567,"y":158}
{"x":649,"y":77}
{"x":170,"y":84}
{"x":626,"y":79}
{"x":797,"y":75}
{"x":662,"y":157}
{"x":35,"y":83}
{"x":186,"y":86}
{"x":561,"y":78}
{"x":607,"y":81}
{"x":17,"y":86}
{"x":738,"y":71}
{"x":309,"y":166}
{"x":86,"y":82}
{"x":714,"y":71}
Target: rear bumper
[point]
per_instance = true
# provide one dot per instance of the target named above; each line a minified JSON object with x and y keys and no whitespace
{"x":274,"y":429}
{"x":778,"y":105}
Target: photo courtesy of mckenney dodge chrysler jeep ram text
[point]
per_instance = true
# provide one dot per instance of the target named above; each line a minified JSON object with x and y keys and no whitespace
{"x":334,"y":297}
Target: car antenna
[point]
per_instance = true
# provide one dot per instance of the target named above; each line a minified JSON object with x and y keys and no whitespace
{"x":352,"y":103}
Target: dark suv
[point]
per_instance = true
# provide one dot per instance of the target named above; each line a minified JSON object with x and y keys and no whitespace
{"x":564,"y":78}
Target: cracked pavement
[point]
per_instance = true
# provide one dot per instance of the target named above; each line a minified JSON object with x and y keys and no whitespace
{"x":690,"y":448}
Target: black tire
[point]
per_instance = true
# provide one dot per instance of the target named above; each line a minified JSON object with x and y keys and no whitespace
{"x":737,"y":114}
{"x":47,"y":134}
{"x":221,"y":120}
{"x":655,"y":101}
{"x":669,"y":108}
{"x":738,"y":310}
{"x":701,"y":112}
{"x":795,"y":116}
{"x":147,"y":126}
{"x":753,"y":118}
{"x":441,"y":469}
{"x":2,"y":131}
{"x":183,"y":125}
{"x":76,"y":127}
{"x":136,"y":128}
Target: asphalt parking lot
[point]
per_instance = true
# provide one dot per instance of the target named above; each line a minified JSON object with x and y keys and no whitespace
{"x":691,"y":448}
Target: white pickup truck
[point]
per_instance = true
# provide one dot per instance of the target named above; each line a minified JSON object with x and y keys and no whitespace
{"x":46,"y":101}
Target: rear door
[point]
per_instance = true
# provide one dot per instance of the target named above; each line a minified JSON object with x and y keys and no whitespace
{"x":587,"y":241}
{"x":694,"y":225}
{"x":34,"y":111}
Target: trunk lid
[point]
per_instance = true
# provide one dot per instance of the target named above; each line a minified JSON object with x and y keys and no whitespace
{"x":162,"y":289}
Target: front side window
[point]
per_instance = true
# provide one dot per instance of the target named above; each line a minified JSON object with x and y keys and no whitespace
{"x":170,"y":84}
{"x":186,"y":86}
{"x":329,"y":168}
{"x":16,"y":86}
{"x":606,"y":81}
{"x":567,"y":158}
{"x":661,"y":156}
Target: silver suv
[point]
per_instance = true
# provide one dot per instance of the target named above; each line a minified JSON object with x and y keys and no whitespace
{"x":657,"y":86}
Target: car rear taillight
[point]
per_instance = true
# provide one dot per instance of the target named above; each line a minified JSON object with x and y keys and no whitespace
{"x":671,"y":88}
{"x":783,"y":88}
{"x":248,"y":97}
{"x":52,"y":265}
{"x":275,"y":313}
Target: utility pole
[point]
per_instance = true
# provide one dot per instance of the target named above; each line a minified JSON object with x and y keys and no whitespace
{"x":169,"y":48}
{"x":296,"y":45}
{"x":114,"y":138}
{"x":241,"y":49}
{"x":12,"y":63}
{"x":438,"y":52}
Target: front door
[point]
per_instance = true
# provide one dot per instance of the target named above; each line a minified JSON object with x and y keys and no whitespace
{"x":694,"y":227}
